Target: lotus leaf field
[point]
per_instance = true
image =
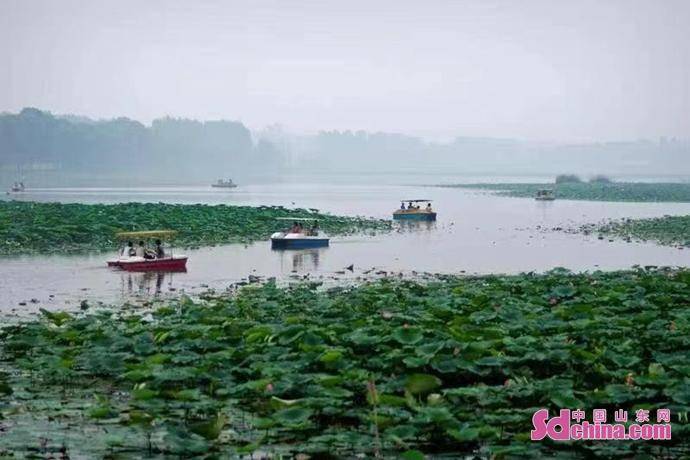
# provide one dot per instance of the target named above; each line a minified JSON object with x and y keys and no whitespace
{"x":667,"y":230}
{"x":394,"y":368}
{"x":29,"y":227}
{"x":595,"y":191}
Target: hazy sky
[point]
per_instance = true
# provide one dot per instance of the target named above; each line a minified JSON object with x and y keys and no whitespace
{"x":554,"y":70}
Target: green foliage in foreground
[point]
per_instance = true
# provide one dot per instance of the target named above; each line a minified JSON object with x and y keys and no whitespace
{"x":27,"y":227}
{"x":600,"y":191}
{"x":454,"y":365}
{"x":667,"y":230}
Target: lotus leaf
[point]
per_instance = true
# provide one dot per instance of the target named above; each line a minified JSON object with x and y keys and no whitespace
{"x":302,"y":369}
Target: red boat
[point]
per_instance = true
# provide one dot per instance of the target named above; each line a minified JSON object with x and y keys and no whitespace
{"x":139,"y":264}
{"x":149,"y":263}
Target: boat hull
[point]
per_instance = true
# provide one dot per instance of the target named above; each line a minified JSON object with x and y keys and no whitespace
{"x":420,"y":216}
{"x":174,"y":264}
{"x":298,"y":243}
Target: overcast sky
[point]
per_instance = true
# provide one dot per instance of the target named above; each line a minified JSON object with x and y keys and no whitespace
{"x":547,"y":70}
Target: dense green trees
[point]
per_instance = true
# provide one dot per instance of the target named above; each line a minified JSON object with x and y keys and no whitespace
{"x":34,"y":138}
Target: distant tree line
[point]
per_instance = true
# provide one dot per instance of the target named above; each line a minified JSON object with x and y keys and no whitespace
{"x":177,"y":147}
{"x":389,"y":152}
{"x":575,"y":179}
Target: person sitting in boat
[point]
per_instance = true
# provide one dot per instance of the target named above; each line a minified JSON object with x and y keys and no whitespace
{"x":409,"y":206}
{"x":295,"y":227}
{"x":314,"y":229}
{"x":160,"y":252}
{"x":428,"y":207}
{"x":140,"y":250}
{"x":128,"y":250}
{"x":402,"y":206}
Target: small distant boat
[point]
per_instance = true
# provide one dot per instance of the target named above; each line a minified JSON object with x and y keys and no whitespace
{"x":224,"y":183}
{"x":17,"y":187}
{"x":148,"y":263}
{"x":298,"y":236}
{"x":545,"y":195}
{"x":415,"y":212}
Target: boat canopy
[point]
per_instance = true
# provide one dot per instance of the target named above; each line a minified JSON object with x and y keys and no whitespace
{"x":162,"y":234}
{"x":416,"y":201}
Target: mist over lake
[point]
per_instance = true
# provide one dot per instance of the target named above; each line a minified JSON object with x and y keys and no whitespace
{"x":324,"y":229}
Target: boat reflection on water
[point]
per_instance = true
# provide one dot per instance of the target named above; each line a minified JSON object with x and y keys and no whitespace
{"x":146,"y":283}
{"x":544,"y":207}
{"x":302,"y":260}
{"x":405,"y":226}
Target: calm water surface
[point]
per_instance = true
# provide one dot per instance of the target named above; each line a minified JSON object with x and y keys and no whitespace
{"x":475,"y":233}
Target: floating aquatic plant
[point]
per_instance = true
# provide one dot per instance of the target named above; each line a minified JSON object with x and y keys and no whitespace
{"x":394,"y":367}
{"x":667,"y":230}
{"x":594,"y":191}
{"x":28,"y":227}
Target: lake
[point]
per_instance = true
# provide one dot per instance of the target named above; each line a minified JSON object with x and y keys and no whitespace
{"x":476,"y":233}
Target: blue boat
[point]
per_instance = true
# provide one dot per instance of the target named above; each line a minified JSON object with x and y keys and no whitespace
{"x":414,"y":211}
{"x":280,"y":240}
{"x":299,"y":236}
